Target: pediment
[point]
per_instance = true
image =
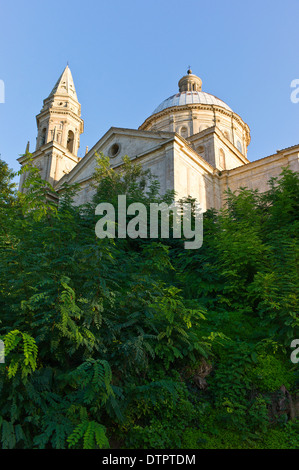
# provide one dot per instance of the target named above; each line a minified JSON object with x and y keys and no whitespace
{"x":116,"y":143}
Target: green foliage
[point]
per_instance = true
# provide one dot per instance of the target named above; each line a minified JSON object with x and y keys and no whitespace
{"x":93,"y":435}
{"x":24,"y":360}
{"x":286,"y":438}
{"x":270,"y":372}
{"x":178,"y":327}
{"x":107,"y":340}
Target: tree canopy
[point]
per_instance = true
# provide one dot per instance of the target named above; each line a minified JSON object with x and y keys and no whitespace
{"x":142,"y":343}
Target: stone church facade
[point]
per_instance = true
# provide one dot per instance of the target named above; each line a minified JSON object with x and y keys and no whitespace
{"x":193,"y":142}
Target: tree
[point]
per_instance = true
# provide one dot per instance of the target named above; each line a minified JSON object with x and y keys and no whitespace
{"x":106,"y":340}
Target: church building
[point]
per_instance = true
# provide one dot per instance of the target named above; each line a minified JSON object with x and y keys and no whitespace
{"x":193,"y":142}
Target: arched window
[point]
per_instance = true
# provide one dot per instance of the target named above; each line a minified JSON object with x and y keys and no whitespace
{"x":43,"y":137}
{"x":70,"y":141}
{"x":184,"y":132}
{"x":239,"y":146}
{"x":222,"y":159}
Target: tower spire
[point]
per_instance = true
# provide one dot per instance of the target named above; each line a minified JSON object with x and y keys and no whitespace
{"x":65,"y":84}
{"x":59,"y":125}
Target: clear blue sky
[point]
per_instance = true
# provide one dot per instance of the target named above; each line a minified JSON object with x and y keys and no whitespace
{"x":127,"y":56}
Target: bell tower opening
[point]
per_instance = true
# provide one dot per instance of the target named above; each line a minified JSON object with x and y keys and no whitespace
{"x":70,"y":141}
{"x":43,"y":136}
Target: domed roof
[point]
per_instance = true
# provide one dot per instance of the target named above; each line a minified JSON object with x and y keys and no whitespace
{"x":190,"y":93}
{"x":190,"y":97}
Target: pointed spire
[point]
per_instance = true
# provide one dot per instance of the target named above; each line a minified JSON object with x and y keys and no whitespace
{"x":65,"y":85}
{"x":27,"y":147}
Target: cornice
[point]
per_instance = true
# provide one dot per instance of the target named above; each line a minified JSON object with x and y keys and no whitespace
{"x":286,"y":153}
{"x":49,"y":146}
{"x":59,"y":111}
{"x":62,"y":97}
{"x":199,"y":106}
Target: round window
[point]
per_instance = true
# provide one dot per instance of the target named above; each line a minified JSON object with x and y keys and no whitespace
{"x":114,"y":150}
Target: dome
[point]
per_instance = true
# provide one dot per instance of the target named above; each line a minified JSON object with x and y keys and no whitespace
{"x":190,"y":97}
{"x":192,"y":110}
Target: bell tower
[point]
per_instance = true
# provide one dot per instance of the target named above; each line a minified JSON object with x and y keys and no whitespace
{"x":59,"y":126}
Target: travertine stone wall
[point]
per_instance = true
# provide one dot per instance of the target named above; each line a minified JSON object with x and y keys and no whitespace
{"x":255,"y":175}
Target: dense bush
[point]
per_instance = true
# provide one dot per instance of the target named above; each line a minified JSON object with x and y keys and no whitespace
{"x":141,"y":343}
